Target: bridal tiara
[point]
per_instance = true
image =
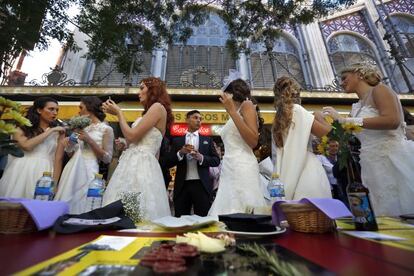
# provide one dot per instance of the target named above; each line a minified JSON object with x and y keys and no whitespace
{"x":233,"y":75}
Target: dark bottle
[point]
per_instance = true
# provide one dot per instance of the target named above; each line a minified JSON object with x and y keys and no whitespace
{"x":359,"y":203}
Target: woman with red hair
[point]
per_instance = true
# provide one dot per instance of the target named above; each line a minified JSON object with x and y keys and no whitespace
{"x":138,"y":172}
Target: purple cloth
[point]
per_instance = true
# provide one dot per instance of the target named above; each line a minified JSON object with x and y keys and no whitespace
{"x":333,"y":208}
{"x":44,"y":213}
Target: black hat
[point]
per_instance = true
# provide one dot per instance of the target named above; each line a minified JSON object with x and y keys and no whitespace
{"x":109,"y":217}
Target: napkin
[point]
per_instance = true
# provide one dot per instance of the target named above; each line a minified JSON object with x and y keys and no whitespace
{"x":44,"y":213}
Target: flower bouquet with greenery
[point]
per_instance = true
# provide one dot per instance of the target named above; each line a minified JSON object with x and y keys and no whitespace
{"x":79,"y":122}
{"x":344,"y":135}
{"x":11,"y":117}
{"x":76,"y":124}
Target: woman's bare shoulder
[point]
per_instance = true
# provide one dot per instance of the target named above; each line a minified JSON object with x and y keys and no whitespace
{"x":156,"y":107}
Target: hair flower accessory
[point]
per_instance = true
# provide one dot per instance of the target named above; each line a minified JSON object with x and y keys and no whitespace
{"x":233,"y":75}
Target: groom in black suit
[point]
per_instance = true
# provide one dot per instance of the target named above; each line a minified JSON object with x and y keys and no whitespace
{"x":193,"y":154}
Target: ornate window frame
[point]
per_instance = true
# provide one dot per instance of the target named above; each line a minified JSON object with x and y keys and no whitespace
{"x":266,"y":77}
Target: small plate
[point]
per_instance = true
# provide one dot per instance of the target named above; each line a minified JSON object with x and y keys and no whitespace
{"x":184,"y":222}
{"x":278,"y":231}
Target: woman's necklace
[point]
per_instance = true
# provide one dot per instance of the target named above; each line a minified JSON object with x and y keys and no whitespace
{"x":362,"y":102}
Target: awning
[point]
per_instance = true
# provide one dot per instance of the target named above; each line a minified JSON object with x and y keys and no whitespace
{"x":212,"y":113}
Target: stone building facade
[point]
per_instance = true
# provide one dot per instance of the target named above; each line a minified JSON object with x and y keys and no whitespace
{"x":313,"y":54}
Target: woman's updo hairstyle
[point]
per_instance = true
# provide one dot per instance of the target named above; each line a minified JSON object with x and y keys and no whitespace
{"x":368,"y":72}
{"x":94,"y":105}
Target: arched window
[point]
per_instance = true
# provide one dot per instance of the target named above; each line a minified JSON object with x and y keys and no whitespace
{"x":405,"y":27}
{"x":346,"y":49}
{"x":286,"y":61}
{"x":204,"y":61}
{"x":106,"y":73}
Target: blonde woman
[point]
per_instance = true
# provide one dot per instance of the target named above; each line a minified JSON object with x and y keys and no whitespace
{"x":387,"y":158}
{"x":299,"y":169}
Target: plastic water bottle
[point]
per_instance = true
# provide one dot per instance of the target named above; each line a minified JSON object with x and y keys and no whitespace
{"x":74,"y":137}
{"x":276,"y":188}
{"x":45,"y":187}
{"x":95,"y":192}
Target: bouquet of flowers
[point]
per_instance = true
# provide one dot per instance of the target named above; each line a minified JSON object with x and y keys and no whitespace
{"x":79,"y":122}
{"x":11,"y":116}
{"x":344,"y":135}
{"x":132,"y":205}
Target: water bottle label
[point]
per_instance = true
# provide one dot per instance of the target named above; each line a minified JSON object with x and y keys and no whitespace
{"x":74,"y":138}
{"x":42,"y":191}
{"x":277,"y":192}
{"x":94,"y":193}
{"x":361,"y":208}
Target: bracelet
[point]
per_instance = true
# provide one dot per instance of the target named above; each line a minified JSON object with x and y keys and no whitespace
{"x":352,"y":120}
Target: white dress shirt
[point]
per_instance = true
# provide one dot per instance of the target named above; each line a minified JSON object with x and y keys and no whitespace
{"x":191,"y":138}
{"x":327,"y":165}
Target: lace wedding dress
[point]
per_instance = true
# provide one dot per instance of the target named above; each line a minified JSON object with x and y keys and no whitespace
{"x":82,"y":167}
{"x":239,"y":188}
{"x":20,"y":175}
{"x":138,"y":170}
{"x":387,"y":164}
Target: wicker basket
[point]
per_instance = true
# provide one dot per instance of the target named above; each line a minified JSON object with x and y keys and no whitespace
{"x":307,"y":218}
{"x":15,"y":219}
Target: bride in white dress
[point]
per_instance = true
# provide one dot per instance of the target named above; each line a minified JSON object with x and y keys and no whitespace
{"x":239,"y":189}
{"x":387,"y":157}
{"x":95,"y":144}
{"x":38,"y":143}
{"x":138,"y":169}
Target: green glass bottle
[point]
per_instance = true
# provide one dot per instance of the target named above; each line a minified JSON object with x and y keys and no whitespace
{"x":359,"y":203}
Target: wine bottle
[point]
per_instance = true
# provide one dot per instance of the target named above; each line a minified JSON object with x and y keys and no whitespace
{"x":359,"y":203}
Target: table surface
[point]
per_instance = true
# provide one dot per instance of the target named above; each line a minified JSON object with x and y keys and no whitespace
{"x":337,"y":252}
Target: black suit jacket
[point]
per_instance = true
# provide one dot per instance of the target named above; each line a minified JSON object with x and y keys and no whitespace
{"x":211,"y":159}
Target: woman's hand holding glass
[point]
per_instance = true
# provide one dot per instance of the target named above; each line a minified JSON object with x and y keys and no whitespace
{"x":120,"y":144}
{"x":330,"y":111}
{"x":111,"y":107}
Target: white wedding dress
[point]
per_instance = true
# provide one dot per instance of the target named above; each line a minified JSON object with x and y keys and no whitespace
{"x":82,"y":167}
{"x":20,"y":175}
{"x":138,"y":170}
{"x":239,"y":188}
{"x":387,"y":165}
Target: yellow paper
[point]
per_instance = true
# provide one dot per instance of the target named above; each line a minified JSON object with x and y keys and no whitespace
{"x":67,"y":264}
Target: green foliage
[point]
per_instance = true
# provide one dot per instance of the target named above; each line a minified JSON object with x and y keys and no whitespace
{"x":344,"y":135}
{"x":149,"y":24}
{"x":272,"y":262}
{"x":121,"y":28}
{"x":263,"y":21}
{"x":26,"y":24}
{"x":11,"y":116}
